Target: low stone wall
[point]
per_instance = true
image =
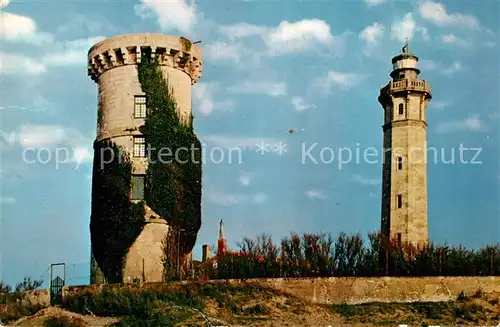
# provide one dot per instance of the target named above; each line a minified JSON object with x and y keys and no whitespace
{"x":354,"y":290}
{"x":37,"y":297}
{"x":384,"y":289}
{"x":41,"y":297}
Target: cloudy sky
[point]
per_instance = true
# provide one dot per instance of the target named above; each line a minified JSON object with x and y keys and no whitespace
{"x":270,"y":68}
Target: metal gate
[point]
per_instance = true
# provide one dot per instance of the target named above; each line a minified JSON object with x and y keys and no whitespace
{"x":56,"y":285}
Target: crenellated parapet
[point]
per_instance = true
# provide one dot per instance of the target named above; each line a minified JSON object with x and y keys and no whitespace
{"x":175,"y":52}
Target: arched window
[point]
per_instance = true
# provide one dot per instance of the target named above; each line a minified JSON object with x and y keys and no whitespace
{"x":400,"y":163}
{"x":401,"y":108}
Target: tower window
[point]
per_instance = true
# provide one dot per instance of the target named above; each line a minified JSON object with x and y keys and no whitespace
{"x":140,"y":106}
{"x":399,"y":238}
{"x":400,"y":201}
{"x":401,"y":108}
{"x":401,"y":76}
{"x":139,"y":146}
{"x":400,"y":163}
{"x":137,"y":187}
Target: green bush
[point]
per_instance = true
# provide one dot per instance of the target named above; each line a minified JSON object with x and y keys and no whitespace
{"x":320,"y":255}
{"x":345,"y":310}
{"x":16,"y":308}
{"x":115,"y":221}
{"x":173,"y":187}
{"x":140,"y":303}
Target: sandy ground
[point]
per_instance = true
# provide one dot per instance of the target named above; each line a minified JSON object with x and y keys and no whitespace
{"x":267,"y":309}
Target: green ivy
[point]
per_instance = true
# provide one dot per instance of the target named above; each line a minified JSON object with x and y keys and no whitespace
{"x":173,"y":184}
{"x":186,"y":44}
{"x":115,"y":221}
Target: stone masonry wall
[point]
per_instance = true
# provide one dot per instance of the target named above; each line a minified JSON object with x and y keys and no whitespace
{"x":353,"y":290}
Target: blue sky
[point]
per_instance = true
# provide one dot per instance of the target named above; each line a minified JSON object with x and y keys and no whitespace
{"x":315,"y":67}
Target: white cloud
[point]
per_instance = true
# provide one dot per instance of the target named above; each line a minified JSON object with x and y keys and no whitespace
{"x":439,"y":104}
{"x":245,"y":178}
{"x":366,"y":181}
{"x":4,"y":3}
{"x":71,"y":52}
{"x":63,"y":54}
{"x":315,"y":194}
{"x":489,"y":44}
{"x":66,"y":145}
{"x":372,"y":35}
{"x":436,"y":12}
{"x":225,"y":51}
{"x":82,"y":154}
{"x":53,"y":137}
{"x":456,"y":66}
{"x":242,"y":30}
{"x":88,"y":24}
{"x":340,"y":79}
{"x":430,"y":65}
{"x":407,"y":28}
{"x":452,"y":39}
{"x":427,"y":65}
{"x":494,"y":115}
{"x":7,"y":200}
{"x":472,"y":123}
{"x":14,"y":64}
{"x":172,"y":14}
{"x":227,"y":199}
{"x":22,"y":29}
{"x":298,"y":36}
{"x":287,"y":37}
{"x":203,"y":98}
{"x":373,"y":3}
{"x":237,"y":142}
{"x":272,"y":89}
{"x":300,"y":104}
{"x":41,"y":136}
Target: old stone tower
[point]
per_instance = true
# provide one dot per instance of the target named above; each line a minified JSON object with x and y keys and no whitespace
{"x":404,"y":170}
{"x":112,"y":64}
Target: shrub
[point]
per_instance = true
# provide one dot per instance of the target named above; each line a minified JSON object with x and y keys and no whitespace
{"x":28,"y":285}
{"x":320,"y":255}
{"x":345,"y":310}
{"x":13,"y":310}
{"x":115,"y":221}
{"x":135,"y":302}
{"x":4,"y":288}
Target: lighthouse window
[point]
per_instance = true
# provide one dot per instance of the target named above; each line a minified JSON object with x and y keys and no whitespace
{"x":400,"y":201}
{"x":139,"y":106}
{"x":139,"y":146}
{"x":401,"y":109}
{"x":137,"y":187}
{"x":400,"y":163}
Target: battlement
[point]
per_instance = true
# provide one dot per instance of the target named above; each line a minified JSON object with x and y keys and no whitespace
{"x":131,"y":49}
